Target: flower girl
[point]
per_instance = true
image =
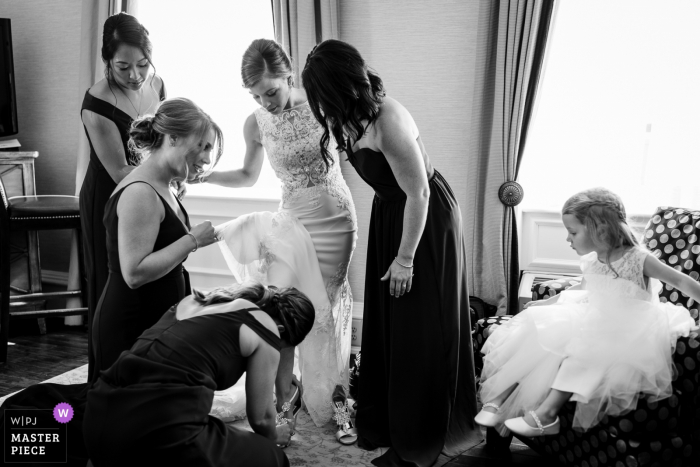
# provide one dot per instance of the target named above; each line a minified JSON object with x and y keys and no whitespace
{"x":601,"y":343}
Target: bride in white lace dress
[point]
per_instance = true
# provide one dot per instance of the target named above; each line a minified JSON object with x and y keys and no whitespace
{"x":309,"y":241}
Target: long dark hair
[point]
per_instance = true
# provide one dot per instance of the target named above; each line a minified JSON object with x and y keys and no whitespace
{"x":342,"y":91}
{"x":287,"y":305}
{"x":177,"y":116}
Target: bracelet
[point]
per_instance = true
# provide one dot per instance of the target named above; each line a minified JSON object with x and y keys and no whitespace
{"x":196,"y":243}
{"x":397,"y":262}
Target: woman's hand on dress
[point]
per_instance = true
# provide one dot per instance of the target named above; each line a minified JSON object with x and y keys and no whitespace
{"x":284,"y":434}
{"x":204,"y":233}
{"x":400,"y":279}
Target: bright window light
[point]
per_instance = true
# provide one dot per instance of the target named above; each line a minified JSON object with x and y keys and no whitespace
{"x":618,"y":106}
{"x":197,"y":50}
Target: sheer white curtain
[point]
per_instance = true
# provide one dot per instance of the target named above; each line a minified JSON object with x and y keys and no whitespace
{"x":94,"y":14}
{"x":618,"y":106}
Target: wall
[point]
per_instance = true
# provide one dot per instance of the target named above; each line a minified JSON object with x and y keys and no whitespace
{"x":425,"y":53}
{"x":46,"y":46}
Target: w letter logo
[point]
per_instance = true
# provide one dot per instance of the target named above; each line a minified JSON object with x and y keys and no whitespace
{"x":63,"y":413}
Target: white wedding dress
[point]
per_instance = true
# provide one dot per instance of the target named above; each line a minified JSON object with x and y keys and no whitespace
{"x":306,"y":244}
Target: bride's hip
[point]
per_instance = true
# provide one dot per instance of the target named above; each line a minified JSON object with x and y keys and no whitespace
{"x":312,"y":205}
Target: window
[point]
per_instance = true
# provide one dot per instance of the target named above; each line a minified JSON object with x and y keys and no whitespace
{"x":197,"y":49}
{"x":618,"y":106}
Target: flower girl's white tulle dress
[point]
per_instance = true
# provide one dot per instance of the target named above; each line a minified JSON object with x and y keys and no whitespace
{"x":605,"y":344}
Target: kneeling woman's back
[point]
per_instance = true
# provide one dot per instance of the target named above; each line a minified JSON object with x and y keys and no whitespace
{"x":152,"y":405}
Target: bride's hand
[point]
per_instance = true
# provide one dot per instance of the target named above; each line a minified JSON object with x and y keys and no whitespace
{"x":400,"y":279}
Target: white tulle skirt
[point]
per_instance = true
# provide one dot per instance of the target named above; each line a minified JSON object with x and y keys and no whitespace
{"x":604,"y":347}
{"x":307,"y":244}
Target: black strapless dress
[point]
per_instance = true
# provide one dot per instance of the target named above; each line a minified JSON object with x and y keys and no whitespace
{"x":417,"y":390}
{"x":96,"y":189}
{"x":152,"y":406}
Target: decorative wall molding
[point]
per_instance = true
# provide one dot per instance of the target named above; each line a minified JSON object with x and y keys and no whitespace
{"x":543,"y":246}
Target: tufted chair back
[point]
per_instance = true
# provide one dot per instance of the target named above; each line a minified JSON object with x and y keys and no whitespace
{"x":672,"y":235}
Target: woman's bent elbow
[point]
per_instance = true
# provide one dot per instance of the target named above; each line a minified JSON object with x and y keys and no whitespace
{"x":133,"y":280}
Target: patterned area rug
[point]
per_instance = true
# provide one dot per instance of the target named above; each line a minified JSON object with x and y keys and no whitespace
{"x":311,"y":445}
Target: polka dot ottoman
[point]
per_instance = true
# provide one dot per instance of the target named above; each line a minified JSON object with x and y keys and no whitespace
{"x":660,"y":434}
{"x":552,"y":287}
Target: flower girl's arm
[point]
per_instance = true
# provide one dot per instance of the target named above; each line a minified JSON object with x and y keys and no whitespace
{"x":658,"y":270}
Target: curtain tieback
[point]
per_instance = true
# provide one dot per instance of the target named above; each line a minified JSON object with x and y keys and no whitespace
{"x":511,"y":193}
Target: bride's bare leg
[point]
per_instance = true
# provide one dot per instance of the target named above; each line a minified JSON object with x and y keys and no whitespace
{"x":500,"y":399}
{"x":548,"y":410}
{"x":284,"y":389}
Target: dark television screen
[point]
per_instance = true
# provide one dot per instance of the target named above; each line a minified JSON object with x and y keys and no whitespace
{"x":8,"y":103}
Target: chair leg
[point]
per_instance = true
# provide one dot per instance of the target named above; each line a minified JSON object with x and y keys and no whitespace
{"x":81,"y":270}
{"x":35,"y":270}
{"x":4,"y":293}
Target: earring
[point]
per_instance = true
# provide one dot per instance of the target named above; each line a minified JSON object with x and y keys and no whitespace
{"x":172,"y":140}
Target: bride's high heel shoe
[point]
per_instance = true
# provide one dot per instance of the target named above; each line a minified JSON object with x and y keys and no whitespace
{"x":293,"y":404}
{"x":347,"y":433}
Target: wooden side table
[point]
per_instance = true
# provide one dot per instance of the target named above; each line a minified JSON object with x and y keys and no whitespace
{"x":17,"y":173}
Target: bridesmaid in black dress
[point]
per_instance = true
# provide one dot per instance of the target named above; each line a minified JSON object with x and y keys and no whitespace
{"x":127,"y":92}
{"x":151,"y":407}
{"x":148,"y":238}
{"x":148,"y":231}
{"x":417,"y":388}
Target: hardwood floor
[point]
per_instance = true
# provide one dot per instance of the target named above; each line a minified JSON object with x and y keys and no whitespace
{"x":35,"y":358}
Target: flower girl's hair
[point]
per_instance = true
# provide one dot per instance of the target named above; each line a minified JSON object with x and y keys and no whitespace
{"x":602,"y":213}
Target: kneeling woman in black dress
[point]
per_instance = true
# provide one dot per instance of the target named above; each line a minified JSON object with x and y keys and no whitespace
{"x":417,"y":392}
{"x":151,"y":407}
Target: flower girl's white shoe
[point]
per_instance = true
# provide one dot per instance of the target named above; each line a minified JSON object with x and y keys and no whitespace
{"x":485,"y":418}
{"x":520,"y":427}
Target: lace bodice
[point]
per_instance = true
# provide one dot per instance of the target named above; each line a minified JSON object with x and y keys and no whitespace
{"x":292,"y":142}
{"x":630,"y":268}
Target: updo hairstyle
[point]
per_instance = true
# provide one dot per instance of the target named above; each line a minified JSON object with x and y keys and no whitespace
{"x":265,"y":58}
{"x":287,"y":305}
{"x":121,"y":29}
{"x":178,"y":117}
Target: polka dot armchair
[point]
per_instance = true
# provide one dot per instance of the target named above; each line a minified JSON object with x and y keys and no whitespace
{"x":659,"y":434}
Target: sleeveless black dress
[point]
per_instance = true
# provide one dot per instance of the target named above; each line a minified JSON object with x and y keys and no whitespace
{"x":124,"y":313}
{"x":152,"y":406}
{"x":417,"y":390}
{"x":96,"y":189}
